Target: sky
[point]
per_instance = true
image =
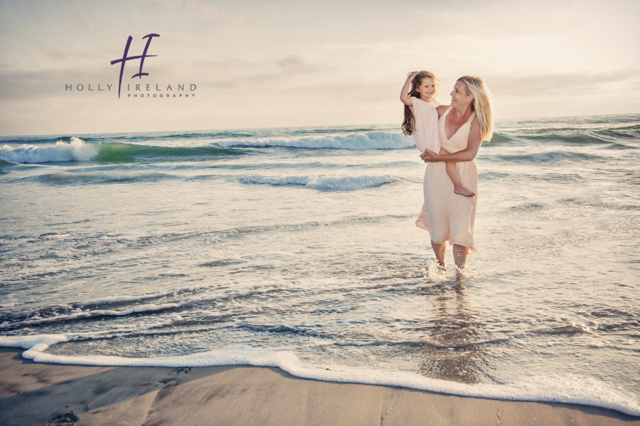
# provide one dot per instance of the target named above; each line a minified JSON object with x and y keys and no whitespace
{"x":305,"y":63}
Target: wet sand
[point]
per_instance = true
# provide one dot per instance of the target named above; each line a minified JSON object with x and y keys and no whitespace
{"x":32,"y":393}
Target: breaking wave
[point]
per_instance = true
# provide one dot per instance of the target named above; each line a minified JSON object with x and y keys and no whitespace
{"x":334,"y":183}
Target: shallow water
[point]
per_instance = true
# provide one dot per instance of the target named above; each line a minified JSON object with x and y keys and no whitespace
{"x":297,"y":246}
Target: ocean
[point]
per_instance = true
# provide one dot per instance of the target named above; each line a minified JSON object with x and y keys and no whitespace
{"x":296,"y":248}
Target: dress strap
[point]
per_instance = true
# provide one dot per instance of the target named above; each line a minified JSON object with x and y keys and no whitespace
{"x":471,"y":118}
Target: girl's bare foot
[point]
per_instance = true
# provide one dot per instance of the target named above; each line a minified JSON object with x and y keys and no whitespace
{"x":461,"y":190}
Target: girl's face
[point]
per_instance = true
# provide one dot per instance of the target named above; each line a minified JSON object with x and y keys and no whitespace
{"x":427,"y":89}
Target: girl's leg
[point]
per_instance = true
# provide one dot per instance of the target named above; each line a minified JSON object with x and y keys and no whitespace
{"x":438,"y":250}
{"x":458,"y":188}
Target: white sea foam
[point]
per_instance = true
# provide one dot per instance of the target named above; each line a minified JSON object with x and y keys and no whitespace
{"x":336,"y":183}
{"x":564,"y":389}
{"x":36,"y":343}
{"x":74,"y":150}
{"x":361,"y":141}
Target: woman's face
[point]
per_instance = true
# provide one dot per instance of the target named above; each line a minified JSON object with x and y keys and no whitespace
{"x":427,"y":88}
{"x":459,"y":95}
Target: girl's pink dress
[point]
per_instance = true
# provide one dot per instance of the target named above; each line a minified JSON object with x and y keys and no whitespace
{"x":425,"y":133}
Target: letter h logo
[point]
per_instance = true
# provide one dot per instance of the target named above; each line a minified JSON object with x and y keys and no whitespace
{"x":126,"y":58}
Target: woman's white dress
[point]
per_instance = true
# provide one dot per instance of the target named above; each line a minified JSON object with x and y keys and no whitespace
{"x":451,"y":217}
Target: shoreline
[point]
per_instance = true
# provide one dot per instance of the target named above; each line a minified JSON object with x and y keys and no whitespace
{"x":36,"y":393}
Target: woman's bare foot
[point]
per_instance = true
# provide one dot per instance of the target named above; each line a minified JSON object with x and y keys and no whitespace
{"x":435,"y":270}
{"x":461,"y":274}
{"x":461,"y":190}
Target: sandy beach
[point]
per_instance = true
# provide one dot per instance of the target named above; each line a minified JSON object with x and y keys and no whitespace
{"x":33,"y":393}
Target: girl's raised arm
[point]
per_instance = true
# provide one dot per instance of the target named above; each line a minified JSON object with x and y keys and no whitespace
{"x":404,"y":95}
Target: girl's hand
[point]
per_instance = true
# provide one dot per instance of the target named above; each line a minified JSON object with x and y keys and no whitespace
{"x":412,"y":75}
{"x":429,"y":156}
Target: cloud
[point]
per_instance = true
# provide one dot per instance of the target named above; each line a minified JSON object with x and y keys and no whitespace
{"x":567,"y":85}
{"x":293,"y":62}
{"x":44,"y":84}
{"x":250,"y":74}
{"x":233,"y":74}
{"x":195,"y":9}
{"x":200,"y":12}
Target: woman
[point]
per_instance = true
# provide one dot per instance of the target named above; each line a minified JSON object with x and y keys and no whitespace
{"x":462,"y":126}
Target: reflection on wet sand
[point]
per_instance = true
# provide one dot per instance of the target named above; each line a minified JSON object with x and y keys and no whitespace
{"x":451,"y":349}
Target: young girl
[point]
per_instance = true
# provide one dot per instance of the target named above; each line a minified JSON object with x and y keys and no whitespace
{"x":421,"y":120}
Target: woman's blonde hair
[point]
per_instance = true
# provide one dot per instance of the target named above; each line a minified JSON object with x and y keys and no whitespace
{"x":481,"y":104}
{"x":409,"y":121}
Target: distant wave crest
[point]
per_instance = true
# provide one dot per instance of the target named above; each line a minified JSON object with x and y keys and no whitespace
{"x":359,"y":141}
{"x":335,"y":183}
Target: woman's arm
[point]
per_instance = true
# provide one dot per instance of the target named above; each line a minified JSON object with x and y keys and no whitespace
{"x":404,"y":95}
{"x":467,"y":154}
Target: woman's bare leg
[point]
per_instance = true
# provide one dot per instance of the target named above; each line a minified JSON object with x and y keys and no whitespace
{"x":438,"y":250}
{"x":458,"y":188}
{"x":460,"y":255}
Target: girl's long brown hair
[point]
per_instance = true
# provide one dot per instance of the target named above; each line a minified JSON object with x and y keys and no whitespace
{"x":409,"y":120}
